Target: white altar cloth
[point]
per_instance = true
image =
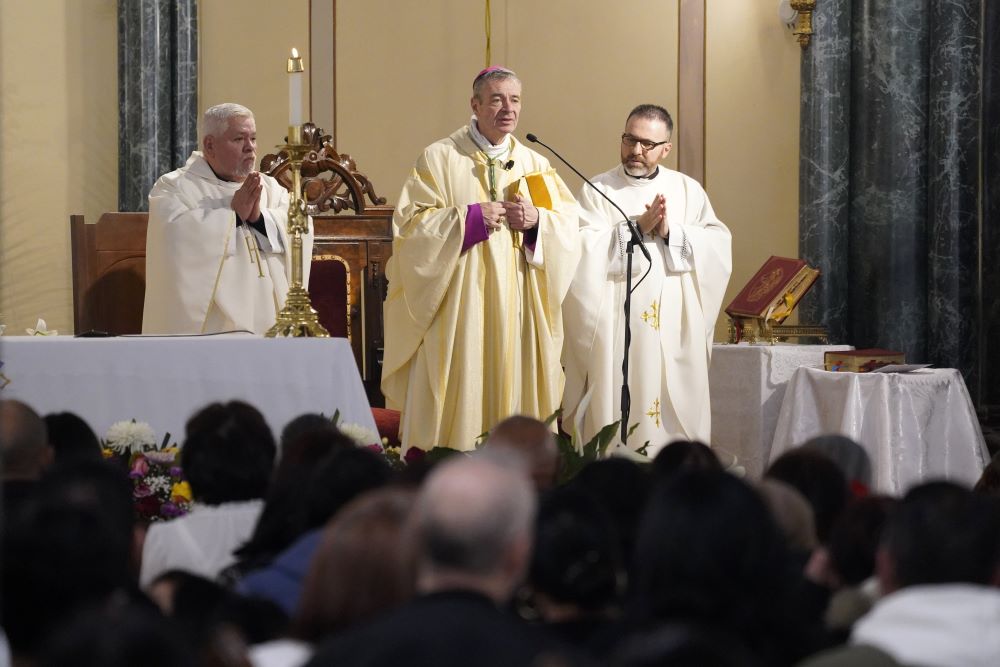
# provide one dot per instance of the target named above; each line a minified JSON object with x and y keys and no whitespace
{"x":915,"y":426}
{"x":163,"y":380}
{"x":747,"y":384}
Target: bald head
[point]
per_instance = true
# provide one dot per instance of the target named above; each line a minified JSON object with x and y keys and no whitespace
{"x":473,"y":519}
{"x":533,"y":440}
{"x":24,"y":441}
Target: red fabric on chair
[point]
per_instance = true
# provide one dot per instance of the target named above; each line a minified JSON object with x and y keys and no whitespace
{"x":387,"y":423}
{"x":329,"y":290}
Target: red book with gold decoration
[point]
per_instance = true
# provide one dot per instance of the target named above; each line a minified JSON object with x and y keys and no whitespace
{"x":861,"y":361}
{"x":774,"y":290}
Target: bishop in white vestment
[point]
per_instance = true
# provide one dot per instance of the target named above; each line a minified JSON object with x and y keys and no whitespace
{"x":485,"y":245}
{"x":674,"y":308}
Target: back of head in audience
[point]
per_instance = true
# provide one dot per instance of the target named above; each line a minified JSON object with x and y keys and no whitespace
{"x":682,"y":455}
{"x":621,"y":486}
{"x":535,"y":441}
{"x":473,"y":525}
{"x":709,"y":553}
{"x":120,"y":637}
{"x":940,"y":533}
{"x":58,"y":558}
{"x":850,"y":457}
{"x":339,"y":478}
{"x":203,"y":610}
{"x":792,"y":513}
{"x":228,"y":453}
{"x":576,"y":566}
{"x":24,"y":442}
{"x":855,"y":538}
{"x":362,"y":566}
{"x":819,"y":480}
{"x":305,"y":441}
{"x":99,"y":485}
{"x":71,"y":437}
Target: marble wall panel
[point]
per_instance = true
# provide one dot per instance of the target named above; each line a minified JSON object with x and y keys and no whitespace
{"x":888,"y":211}
{"x":953,"y":185}
{"x":824,"y":166}
{"x":989,"y":292}
{"x":157,"y":92}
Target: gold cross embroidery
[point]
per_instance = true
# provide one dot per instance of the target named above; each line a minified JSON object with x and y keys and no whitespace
{"x":652,"y":316}
{"x":654,"y":412}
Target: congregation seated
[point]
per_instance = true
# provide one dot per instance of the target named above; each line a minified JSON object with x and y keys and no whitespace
{"x":227,"y":457}
{"x":938,"y":567}
{"x":630,"y":565}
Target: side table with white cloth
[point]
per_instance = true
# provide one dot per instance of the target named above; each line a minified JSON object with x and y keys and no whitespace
{"x":915,"y":426}
{"x":163,"y":380}
{"x":747,"y":383}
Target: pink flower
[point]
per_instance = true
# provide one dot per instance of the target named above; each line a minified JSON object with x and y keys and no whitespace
{"x":140,"y":467}
{"x":142,"y":491}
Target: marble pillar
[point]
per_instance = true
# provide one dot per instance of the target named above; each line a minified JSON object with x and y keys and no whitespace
{"x":953,"y":185}
{"x":989,"y":292}
{"x":888,"y":211}
{"x":157,"y":93}
{"x":824,"y":167}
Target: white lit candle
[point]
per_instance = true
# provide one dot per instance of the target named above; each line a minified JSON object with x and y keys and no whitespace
{"x":295,"y":70}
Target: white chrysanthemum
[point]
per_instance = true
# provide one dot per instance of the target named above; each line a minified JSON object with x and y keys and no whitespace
{"x":130,"y":436}
{"x":359,"y":434}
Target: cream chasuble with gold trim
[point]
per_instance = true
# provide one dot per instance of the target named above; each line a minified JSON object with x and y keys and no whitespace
{"x":201,"y":276}
{"x":473,"y":337}
{"x":673,"y":312}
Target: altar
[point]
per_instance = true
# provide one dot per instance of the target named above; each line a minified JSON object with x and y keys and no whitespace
{"x":163,"y":380}
{"x":747,"y":384}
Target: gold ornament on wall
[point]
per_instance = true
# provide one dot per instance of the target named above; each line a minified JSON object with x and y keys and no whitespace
{"x":803,"y":28}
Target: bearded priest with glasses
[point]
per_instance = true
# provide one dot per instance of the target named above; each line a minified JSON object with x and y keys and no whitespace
{"x":673,"y":309}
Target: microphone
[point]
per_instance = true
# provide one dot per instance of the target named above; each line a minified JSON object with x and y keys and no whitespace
{"x":508,"y":165}
{"x":636,"y":235}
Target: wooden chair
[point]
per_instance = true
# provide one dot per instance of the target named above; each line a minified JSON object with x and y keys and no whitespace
{"x":109,"y":273}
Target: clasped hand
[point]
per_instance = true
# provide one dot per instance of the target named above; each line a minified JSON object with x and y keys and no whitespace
{"x":518,"y":214}
{"x":654,"y":220}
{"x":246,"y":201}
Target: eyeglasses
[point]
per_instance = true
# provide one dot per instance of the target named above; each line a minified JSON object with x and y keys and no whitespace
{"x":646,"y":144}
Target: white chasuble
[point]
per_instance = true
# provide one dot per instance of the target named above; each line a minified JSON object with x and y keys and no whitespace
{"x":203,"y":272}
{"x":474,"y":336}
{"x":672,"y":317}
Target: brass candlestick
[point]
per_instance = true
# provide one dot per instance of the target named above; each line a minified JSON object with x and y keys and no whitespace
{"x":297,"y":318}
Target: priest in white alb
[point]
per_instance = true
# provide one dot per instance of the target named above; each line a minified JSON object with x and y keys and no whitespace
{"x":485,"y":243}
{"x":217,"y":247}
{"x":673,"y":310}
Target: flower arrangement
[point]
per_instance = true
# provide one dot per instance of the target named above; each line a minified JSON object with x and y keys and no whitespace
{"x":159,"y":490}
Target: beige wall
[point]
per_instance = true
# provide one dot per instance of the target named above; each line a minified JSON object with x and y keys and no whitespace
{"x":58,"y":147}
{"x":582,"y":65}
{"x":752,"y":133}
{"x":244,"y":45}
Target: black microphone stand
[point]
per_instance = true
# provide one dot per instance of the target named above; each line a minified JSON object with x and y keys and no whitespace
{"x":635,"y":240}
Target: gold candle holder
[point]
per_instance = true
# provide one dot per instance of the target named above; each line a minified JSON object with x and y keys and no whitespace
{"x":298,"y":318}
